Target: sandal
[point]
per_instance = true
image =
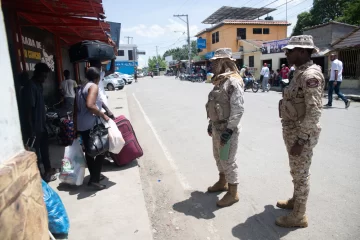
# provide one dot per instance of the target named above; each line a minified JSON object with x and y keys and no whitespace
{"x":97,"y":186}
{"x":50,"y":178}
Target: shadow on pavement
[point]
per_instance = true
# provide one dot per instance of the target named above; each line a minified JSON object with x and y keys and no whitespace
{"x":262,"y":226}
{"x":200,"y":205}
{"x":110,"y":166}
{"x":84,"y":191}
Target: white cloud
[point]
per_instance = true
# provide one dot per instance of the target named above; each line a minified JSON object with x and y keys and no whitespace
{"x":152,"y":31}
{"x":155,"y":30}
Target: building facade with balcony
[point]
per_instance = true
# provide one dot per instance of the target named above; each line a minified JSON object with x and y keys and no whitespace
{"x":244,"y":37}
{"x":229,"y":33}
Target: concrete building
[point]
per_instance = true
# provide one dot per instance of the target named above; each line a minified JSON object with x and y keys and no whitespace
{"x":115,"y":29}
{"x":273,"y":55}
{"x":229,"y":33}
{"x":348,"y":51}
{"x":324,"y":35}
{"x":127,"y":58}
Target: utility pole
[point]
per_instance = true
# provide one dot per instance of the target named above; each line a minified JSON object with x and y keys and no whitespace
{"x":157,"y":61}
{"x":128,"y":38}
{"x":286,"y":10}
{"x":188,"y":33}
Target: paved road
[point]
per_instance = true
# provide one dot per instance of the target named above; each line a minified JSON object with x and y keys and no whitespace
{"x":170,"y":121}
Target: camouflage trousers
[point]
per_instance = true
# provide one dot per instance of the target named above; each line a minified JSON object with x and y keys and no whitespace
{"x":300,"y":165}
{"x":230,"y":166}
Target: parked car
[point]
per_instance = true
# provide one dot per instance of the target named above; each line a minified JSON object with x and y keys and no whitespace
{"x":126,"y":77}
{"x":141,"y":75}
{"x":114,"y":81}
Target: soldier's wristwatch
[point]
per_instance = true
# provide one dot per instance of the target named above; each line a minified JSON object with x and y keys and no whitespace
{"x":301,"y":142}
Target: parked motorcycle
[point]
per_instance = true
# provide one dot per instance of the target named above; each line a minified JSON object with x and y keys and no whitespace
{"x":251,"y":84}
{"x":54,"y":116}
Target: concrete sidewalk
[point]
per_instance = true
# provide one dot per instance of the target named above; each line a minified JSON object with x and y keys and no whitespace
{"x":118,"y":212}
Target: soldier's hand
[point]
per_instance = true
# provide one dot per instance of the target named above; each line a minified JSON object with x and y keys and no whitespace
{"x":296,"y":150}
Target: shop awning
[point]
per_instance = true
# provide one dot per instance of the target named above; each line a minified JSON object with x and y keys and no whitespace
{"x":71,"y":20}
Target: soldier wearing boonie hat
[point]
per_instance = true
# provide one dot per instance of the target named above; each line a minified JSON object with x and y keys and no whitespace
{"x":300,"y":111}
{"x":225,"y":109}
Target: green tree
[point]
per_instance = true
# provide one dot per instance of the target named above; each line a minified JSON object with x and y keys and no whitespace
{"x":351,"y":13}
{"x":181,"y":53}
{"x":327,"y":10}
{"x":304,"y":19}
{"x":323,"y":11}
{"x":154,"y":60}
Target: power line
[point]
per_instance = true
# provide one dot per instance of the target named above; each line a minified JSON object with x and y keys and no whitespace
{"x":182,"y":5}
{"x":294,"y":5}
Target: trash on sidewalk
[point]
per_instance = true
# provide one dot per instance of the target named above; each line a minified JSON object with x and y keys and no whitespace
{"x":57,"y":216}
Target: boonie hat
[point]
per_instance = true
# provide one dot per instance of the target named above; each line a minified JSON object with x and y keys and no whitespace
{"x":222,"y":53}
{"x":301,"y":41}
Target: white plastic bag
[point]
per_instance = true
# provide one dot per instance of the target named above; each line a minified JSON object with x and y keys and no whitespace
{"x":116,"y":141}
{"x":73,"y":165}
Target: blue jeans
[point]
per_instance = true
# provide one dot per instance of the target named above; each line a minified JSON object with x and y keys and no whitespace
{"x":337,"y":91}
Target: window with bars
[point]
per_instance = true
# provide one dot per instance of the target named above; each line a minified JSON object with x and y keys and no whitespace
{"x":351,"y":63}
{"x":251,"y":61}
{"x":121,"y":53}
{"x":215,"y":37}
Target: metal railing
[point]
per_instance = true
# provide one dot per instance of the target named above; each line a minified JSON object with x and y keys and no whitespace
{"x":351,"y":63}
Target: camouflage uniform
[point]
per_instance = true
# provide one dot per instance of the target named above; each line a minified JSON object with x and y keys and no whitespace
{"x":228,"y":92}
{"x":300,"y":111}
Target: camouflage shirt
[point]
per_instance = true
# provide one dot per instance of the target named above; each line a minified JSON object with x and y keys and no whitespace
{"x":306,"y":87}
{"x":232,"y":87}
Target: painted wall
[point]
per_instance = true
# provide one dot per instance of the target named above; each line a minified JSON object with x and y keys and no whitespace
{"x":125,"y":48}
{"x":228,"y":36}
{"x":275,"y":57}
{"x":10,"y":136}
{"x":66,"y":64}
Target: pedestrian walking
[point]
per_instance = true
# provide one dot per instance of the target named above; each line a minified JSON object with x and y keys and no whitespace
{"x":265,"y":73}
{"x":335,"y":81}
{"x":225,"y":108}
{"x":300,"y":111}
{"x":68,"y":87}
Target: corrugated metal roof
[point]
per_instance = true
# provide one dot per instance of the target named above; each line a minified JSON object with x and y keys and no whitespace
{"x":226,"y":12}
{"x":330,"y":22}
{"x":244,"y":22}
{"x":256,"y":22}
{"x":351,"y":40}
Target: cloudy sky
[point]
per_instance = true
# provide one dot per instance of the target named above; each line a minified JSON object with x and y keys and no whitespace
{"x":151,"y":23}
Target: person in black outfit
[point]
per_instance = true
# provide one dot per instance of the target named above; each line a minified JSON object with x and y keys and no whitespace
{"x":36,"y":118}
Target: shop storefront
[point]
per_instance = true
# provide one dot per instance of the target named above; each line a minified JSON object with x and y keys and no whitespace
{"x":273,"y":55}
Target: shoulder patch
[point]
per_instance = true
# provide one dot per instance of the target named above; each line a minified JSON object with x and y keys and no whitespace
{"x":312,"y":83}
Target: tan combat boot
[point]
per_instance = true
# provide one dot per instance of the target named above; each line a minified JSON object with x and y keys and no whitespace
{"x":286,"y":204}
{"x":230,"y":197}
{"x":220,"y":185}
{"x":296,"y":218}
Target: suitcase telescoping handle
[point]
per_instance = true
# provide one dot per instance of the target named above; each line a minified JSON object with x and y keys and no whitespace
{"x":32,"y":143}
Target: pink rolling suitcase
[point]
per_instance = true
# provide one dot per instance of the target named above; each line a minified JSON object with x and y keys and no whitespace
{"x":131,"y":149}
